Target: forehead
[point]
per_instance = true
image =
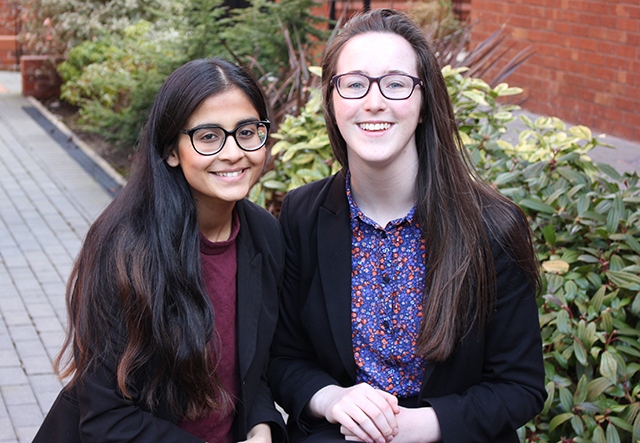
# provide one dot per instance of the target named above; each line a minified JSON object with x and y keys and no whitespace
{"x":225,"y":108}
{"x":377,"y":53}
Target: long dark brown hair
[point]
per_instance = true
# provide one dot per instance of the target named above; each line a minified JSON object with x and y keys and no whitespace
{"x":136,"y":298}
{"x":457,"y":210}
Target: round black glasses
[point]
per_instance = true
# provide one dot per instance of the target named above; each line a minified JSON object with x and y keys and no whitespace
{"x":210,"y":139}
{"x":354,"y":85}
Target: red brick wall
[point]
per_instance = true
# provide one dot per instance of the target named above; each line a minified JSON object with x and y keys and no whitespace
{"x":586,"y":67}
{"x":461,"y":7}
{"x":8,"y":45}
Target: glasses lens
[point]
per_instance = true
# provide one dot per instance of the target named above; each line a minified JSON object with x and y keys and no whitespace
{"x":208,"y":140}
{"x":396,"y":86}
{"x":352,"y":85}
{"x":251,"y":136}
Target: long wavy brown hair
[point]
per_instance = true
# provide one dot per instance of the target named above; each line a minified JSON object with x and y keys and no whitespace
{"x":457,"y":210}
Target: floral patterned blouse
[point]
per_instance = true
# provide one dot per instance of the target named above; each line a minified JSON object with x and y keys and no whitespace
{"x":387,"y":280}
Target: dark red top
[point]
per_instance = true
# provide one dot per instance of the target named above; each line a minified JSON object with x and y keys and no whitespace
{"x":219,"y":268}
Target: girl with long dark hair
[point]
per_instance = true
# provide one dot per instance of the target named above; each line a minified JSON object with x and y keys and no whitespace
{"x":172,"y":302}
{"x":409,"y":306}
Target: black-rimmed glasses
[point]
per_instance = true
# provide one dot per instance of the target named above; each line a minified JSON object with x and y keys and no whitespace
{"x":210,"y":139}
{"x":354,"y":85}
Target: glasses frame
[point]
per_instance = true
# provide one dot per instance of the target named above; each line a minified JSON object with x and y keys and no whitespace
{"x":232,"y":133}
{"x":335,"y":78}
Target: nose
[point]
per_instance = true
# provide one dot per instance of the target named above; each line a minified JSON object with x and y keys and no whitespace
{"x":230,"y":150}
{"x":374,"y":100}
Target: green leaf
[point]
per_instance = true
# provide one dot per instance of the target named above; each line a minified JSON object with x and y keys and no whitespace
{"x":580,"y":352}
{"x":562,"y":321}
{"x":476,"y":97}
{"x":609,"y":367}
{"x":609,"y":170}
{"x":549,"y":233}
{"x":598,"y":435}
{"x":624,"y":279}
{"x":566,"y":399}
{"x":633,"y":243}
{"x":596,"y":387}
{"x":598,"y":298}
{"x":620,"y":423}
{"x":537,"y":205}
{"x":612,"y":433}
{"x":577,"y":425}
{"x":559,"y":419}
{"x":581,"y":390}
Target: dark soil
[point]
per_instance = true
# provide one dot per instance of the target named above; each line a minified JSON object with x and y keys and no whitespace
{"x":118,"y":158}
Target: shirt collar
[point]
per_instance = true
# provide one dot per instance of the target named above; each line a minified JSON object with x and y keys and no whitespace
{"x":357,"y":214}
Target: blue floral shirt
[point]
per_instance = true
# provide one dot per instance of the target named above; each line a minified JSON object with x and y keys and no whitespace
{"x":387,"y":280}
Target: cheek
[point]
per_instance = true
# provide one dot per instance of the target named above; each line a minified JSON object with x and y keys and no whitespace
{"x":258,"y":159}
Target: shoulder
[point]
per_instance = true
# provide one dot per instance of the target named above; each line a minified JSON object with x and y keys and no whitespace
{"x":504,"y":222}
{"x":258,"y":226}
{"x":510,"y":237}
{"x":253,"y":213}
{"x":305,"y":200}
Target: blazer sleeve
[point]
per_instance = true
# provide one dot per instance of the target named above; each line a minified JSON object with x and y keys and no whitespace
{"x":106,"y":416}
{"x":509,"y":389}
{"x":264,"y":411}
{"x":295,"y":374}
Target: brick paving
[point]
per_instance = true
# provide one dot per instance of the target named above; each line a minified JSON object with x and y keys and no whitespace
{"x":47,"y":203}
{"x":50,"y":192}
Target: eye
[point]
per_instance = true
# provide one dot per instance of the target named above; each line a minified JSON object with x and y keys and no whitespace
{"x":396,"y":82}
{"x":247,"y":132}
{"x":208,"y":135}
{"x":353,"y":82}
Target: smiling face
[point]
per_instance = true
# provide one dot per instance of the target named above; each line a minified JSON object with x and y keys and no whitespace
{"x":379,"y":132}
{"x":226,"y":177}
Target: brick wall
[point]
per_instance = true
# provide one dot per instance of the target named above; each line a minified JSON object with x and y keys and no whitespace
{"x":461,"y":7}
{"x":9,"y":49}
{"x":586,"y":67}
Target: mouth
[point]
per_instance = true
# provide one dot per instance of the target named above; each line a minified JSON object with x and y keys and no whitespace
{"x":229,"y":174}
{"x":374,"y":126}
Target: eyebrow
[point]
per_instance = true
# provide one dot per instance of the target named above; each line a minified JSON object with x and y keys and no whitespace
{"x":240,"y":122}
{"x":392,"y":71}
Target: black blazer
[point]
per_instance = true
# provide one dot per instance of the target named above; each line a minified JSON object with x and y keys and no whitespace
{"x":491,"y":385}
{"x":94,"y":410}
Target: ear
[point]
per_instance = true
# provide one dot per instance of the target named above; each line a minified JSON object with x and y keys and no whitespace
{"x":173,"y":160}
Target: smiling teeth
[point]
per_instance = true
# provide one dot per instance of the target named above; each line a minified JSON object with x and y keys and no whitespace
{"x":375,"y":126}
{"x":229,"y":174}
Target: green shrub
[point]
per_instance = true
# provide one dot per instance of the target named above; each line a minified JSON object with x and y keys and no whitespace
{"x":277,"y":40}
{"x":114,"y":79}
{"x":56,"y":26}
{"x":586,"y":221}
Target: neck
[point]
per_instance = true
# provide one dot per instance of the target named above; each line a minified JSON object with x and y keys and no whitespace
{"x":215,"y":223}
{"x":383,"y":195}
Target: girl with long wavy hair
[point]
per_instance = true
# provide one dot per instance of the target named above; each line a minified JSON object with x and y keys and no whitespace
{"x":409,"y":305}
{"x":172,"y":302}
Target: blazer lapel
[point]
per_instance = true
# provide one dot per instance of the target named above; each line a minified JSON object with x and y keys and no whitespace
{"x":249,"y":286}
{"x":334,"y":263}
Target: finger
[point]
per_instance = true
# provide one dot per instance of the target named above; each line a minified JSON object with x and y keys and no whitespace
{"x":366,"y":432}
{"x":367,"y":421}
{"x":392,"y":401}
{"x":381,"y":410}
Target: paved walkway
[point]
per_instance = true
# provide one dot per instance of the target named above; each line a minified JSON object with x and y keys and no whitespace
{"x":51,"y":189}
{"x":48,"y":199}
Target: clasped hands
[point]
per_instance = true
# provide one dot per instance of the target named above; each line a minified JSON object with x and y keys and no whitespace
{"x":370,"y":415}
